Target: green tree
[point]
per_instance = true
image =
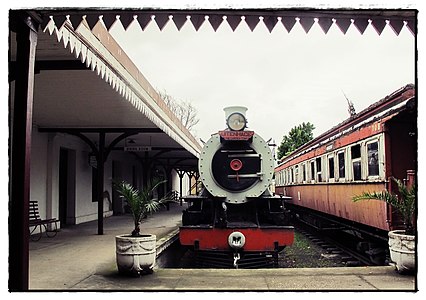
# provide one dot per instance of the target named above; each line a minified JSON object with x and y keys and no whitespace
{"x":296,"y":137}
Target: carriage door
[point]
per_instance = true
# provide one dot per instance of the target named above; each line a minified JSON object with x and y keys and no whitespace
{"x":67,"y":186}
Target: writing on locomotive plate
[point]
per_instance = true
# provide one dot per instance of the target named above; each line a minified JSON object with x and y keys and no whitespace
{"x":236,"y":135}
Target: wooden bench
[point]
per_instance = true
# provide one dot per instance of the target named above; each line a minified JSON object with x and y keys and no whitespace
{"x":37,"y":222}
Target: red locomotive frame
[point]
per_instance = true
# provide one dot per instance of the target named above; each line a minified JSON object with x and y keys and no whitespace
{"x":257,"y":239}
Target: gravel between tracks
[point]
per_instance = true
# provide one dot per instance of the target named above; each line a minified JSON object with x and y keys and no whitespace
{"x":305,"y":254}
{"x":302,"y":254}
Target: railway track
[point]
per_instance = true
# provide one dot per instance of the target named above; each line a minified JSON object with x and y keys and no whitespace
{"x":338,"y":245}
{"x":335,"y":253}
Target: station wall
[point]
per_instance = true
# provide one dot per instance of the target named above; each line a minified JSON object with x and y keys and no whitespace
{"x":48,"y":153}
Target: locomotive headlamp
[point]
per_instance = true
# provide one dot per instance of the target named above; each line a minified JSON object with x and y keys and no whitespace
{"x":236,"y":240}
{"x":236,"y":122}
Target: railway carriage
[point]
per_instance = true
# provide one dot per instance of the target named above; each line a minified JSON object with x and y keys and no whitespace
{"x":236,"y":221}
{"x":360,"y":154}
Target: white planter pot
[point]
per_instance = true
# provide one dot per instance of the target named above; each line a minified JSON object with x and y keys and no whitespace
{"x":402,"y":249}
{"x":135,"y":254}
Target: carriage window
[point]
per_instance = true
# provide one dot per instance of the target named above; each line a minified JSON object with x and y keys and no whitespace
{"x":304,"y":172}
{"x":373,"y":159}
{"x":341,"y":159}
{"x":312,"y":170}
{"x":356,"y":151}
{"x":318,"y":163}
{"x":331,"y":167}
{"x":296,"y":171}
{"x":356,"y":161}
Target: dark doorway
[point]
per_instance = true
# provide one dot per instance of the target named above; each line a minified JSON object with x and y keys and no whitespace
{"x":117,"y":205}
{"x":66,"y":187}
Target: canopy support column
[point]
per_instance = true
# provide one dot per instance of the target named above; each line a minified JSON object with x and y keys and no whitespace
{"x":181,"y":173}
{"x":101,"y":158}
{"x":20,"y":157}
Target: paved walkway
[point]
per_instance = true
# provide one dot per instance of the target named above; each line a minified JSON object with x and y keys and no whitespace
{"x":77,"y":252}
{"x":79,"y":259}
{"x":319,"y":279}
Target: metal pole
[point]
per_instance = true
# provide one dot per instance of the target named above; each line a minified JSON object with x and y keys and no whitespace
{"x":180,"y":173}
{"x":100,"y":181}
{"x":20,"y":155}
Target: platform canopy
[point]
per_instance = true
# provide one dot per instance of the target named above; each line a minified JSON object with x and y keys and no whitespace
{"x":86,"y":84}
{"x":325,"y":18}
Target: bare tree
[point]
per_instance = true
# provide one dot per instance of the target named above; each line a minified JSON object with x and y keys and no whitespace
{"x":184,"y":110}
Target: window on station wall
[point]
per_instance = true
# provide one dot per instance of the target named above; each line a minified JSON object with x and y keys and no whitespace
{"x":341,"y":162}
{"x":292,"y":175}
{"x":304,"y":172}
{"x":356,"y":161}
{"x":318,"y":165}
{"x":331,"y":167}
{"x":373,"y":159}
{"x":312,"y":170}
{"x":94,"y":185}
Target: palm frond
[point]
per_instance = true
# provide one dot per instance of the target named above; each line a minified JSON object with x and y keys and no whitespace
{"x":152,"y":206}
{"x":405,"y":205}
{"x":382,"y":196}
{"x":141,"y":202}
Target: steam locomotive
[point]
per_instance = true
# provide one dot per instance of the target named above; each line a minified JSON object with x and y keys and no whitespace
{"x":235,"y":221}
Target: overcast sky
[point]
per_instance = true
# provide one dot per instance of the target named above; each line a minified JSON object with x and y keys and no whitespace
{"x":283,"y":78}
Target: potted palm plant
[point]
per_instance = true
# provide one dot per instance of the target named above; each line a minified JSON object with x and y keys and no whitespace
{"x":402,"y":243}
{"x":136,"y":252}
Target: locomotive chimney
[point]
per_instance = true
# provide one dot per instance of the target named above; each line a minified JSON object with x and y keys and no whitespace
{"x":235,"y":109}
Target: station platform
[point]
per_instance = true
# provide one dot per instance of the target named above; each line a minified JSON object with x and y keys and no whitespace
{"x":78,"y":259}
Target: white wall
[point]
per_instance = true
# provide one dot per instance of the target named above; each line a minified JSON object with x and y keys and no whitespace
{"x":45,"y":174}
{"x":38,"y":171}
{"x":176,"y":183}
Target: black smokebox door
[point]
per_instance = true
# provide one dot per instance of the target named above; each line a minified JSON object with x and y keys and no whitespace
{"x":225,"y":172}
